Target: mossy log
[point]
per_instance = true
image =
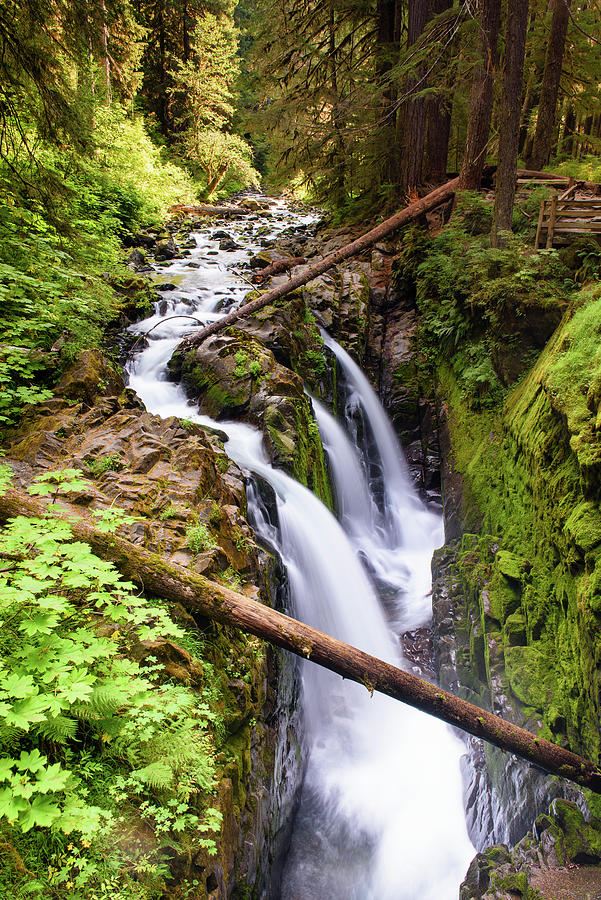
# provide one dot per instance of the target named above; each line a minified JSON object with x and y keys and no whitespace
{"x":205,"y":597}
{"x":404,"y":217}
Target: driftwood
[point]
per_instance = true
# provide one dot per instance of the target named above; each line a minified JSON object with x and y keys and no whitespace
{"x":277,"y":267}
{"x":205,"y":597}
{"x":404,"y":217}
{"x":207,"y":209}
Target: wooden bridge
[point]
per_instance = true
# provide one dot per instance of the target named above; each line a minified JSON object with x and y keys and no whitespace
{"x":575,"y":211}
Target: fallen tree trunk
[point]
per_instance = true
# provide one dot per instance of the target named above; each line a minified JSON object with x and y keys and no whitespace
{"x":277,"y":267}
{"x":203,"y":596}
{"x":206,"y":209}
{"x":404,"y":217}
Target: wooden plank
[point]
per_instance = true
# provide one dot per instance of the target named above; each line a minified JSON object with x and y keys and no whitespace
{"x":569,"y":192}
{"x":578,"y":214}
{"x":593,"y":228}
{"x":541,"y":217}
{"x":551,"y":226}
{"x":593,"y":203}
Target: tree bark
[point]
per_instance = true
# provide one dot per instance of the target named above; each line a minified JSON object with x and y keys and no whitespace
{"x":409,"y":214}
{"x":207,"y":598}
{"x":509,"y":132}
{"x":107,"y":61}
{"x":567,"y":144}
{"x":482,"y":98}
{"x":388,"y":15}
{"x":413,"y":119}
{"x":438,"y":116}
{"x":545,"y":122}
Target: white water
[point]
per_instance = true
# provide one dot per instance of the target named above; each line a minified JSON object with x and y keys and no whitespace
{"x":381,"y":815}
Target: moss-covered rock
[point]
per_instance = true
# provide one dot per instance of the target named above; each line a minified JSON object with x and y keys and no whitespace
{"x":234,"y":375}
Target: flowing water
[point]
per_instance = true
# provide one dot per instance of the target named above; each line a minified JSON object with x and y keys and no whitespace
{"x":380,"y":813}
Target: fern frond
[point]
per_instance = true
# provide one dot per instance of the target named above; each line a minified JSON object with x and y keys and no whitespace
{"x":60,"y":729}
{"x":158,"y":775}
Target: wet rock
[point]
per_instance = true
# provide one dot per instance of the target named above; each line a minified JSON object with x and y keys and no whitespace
{"x":165,"y":286}
{"x":166,"y":249}
{"x":251,"y":205}
{"x":229,"y":245}
{"x":234,"y":376}
{"x":176,"y":662}
{"x":136,"y":260}
{"x":89,"y":376}
{"x":139,"y":239}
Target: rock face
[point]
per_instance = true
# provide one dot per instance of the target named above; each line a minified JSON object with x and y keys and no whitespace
{"x":190,"y":502}
{"x":516,"y":598}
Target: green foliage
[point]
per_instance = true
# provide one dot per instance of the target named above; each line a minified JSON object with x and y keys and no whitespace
{"x":202,"y":97}
{"x":19,"y":372}
{"x":472,"y":297}
{"x":137,"y":167}
{"x":77,"y":712}
{"x":111,"y":462}
{"x":62,"y":481}
{"x":199,"y":538}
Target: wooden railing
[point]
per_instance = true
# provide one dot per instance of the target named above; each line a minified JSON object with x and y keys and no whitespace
{"x":563,"y":215}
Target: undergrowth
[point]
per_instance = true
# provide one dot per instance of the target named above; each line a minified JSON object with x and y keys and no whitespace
{"x":104,"y":764}
{"x":473,"y":298}
{"x":62,"y":220}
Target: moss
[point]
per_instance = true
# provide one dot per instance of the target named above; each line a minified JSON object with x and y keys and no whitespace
{"x":583,"y":526}
{"x":528,"y":468}
{"x":529,"y":675}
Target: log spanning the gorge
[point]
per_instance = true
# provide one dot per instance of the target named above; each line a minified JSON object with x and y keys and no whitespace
{"x":404,"y":217}
{"x":202,"y":596}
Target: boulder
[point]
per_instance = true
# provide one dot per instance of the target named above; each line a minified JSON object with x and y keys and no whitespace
{"x":136,"y":260}
{"x":166,"y":250}
{"x":89,"y":376}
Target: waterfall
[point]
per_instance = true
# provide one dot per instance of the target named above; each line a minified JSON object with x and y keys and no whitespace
{"x":380,"y":815}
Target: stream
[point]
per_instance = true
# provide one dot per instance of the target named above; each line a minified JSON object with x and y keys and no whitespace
{"x":380,"y":814}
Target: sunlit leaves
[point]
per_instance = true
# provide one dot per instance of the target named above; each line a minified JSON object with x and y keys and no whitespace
{"x":67,"y":620}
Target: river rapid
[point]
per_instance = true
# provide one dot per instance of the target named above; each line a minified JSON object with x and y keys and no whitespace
{"x":380,"y":813}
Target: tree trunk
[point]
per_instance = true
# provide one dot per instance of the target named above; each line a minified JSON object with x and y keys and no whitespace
{"x":438,"y":116}
{"x":567,"y":144}
{"x":107,"y":59}
{"x":438,"y":133}
{"x":338,"y":161}
{"x":545,"y":122}
{"x":532,"y":85}
{"x":413,"y":119}
{"x":185,"y":32}
{"x":201,"y":596}
{"x":409,"y":214}
{"x":509,"y":132}
{"x":482,"y":97}
{"x":387,"y":52}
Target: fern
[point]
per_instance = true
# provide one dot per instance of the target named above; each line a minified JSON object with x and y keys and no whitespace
{"x":157,"y":775}
{"x":60,"y":729}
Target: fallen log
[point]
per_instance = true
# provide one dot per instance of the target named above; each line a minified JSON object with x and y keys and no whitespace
{"x":205,"y":597}
{"x":207,"y":209}
{"x":404,"y":217}
{"x":277,"y":267}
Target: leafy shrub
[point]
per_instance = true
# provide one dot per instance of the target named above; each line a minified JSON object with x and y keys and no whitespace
{"x":87,"y":734}
{"x":110,"y":462}
{"x":472,"y":296}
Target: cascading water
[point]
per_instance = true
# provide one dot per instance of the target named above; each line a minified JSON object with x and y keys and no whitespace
{"x":380,"y":814}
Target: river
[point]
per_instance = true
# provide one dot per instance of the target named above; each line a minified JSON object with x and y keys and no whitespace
{"x":380,"y":815}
